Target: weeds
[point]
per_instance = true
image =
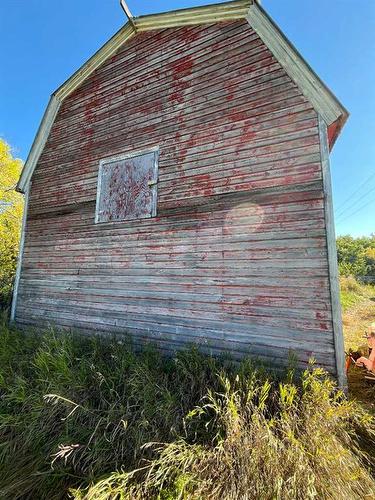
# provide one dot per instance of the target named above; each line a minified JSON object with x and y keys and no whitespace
{"x":353,"y":292}
{"x":97,"y":419}
{"x":265,"y":442}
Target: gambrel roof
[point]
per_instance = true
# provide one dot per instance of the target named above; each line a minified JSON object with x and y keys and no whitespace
{"x":322,"y":99}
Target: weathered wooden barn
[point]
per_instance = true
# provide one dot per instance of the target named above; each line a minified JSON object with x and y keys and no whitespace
{"x":179,"y":190}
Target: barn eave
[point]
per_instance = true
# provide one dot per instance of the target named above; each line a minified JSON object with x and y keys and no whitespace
{"x":322,"y":99}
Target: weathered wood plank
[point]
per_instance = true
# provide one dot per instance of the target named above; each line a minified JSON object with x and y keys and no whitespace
{"x":237,"y":257}
{"x":332,"y":257}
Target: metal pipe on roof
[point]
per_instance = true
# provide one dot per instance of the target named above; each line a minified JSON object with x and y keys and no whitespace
{"x":128,"y":14}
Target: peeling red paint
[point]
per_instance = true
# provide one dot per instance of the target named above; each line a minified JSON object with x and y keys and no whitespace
{"x":230,"y":89}
{"x":248,"y":134}
{"x":226,"y":247}
{"x":182,"y":67}
{"x":237,"y":116}
{"x":176,"y":97}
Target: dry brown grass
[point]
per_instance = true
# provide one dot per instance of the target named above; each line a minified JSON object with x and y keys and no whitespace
{"x":358,"y":303}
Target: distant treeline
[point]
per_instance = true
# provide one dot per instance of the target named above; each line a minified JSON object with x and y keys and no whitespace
{"x":356,"y":256}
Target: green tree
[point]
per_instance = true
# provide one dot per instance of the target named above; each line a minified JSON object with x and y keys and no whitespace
{"x":370,"y":259}
{"x":11,"y":208}
{"x":356,"y":256}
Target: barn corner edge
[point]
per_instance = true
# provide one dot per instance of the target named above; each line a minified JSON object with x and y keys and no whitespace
{"x":332,"y":256}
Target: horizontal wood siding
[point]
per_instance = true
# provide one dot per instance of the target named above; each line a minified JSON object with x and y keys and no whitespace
{"x":236,"y":258}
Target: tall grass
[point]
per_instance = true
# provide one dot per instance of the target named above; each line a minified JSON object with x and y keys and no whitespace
{"x":95,"y":420}
{"x":353,"y":292}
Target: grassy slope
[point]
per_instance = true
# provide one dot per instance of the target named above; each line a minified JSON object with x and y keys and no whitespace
{"x":215,"y":430}
{"x":358,"y":304}
{"x":193,"y":426}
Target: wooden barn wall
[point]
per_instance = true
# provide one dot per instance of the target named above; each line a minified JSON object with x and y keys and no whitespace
{"x":236,"y":258}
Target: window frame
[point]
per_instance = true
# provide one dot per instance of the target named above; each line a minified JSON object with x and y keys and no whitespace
{"x":152,"y":184}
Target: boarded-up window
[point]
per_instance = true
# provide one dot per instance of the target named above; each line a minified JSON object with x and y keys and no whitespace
{"x":127,"y":187}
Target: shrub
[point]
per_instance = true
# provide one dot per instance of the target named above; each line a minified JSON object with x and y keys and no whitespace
{"x":350,"y":284}
{"x":97,"y":418}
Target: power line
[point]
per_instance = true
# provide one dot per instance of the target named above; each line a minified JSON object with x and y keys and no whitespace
{"x":355,"y":202}
{"x":359,"y":209}
{"x":356,"y":191}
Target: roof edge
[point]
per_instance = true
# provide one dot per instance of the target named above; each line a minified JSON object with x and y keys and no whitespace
{"x":325,"y":103}
{"x":108,"y":49}
{"x":236,"y":9}
{"x":39,"y":143}
{"x":101,"y":55}
{"x":313,"y":88}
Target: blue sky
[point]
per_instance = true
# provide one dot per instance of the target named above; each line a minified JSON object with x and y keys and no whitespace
{"x":44,"y":41}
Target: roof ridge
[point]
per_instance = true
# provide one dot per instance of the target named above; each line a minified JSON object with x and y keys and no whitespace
{"x":322,"y":99}
{"x":219,"y":6}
